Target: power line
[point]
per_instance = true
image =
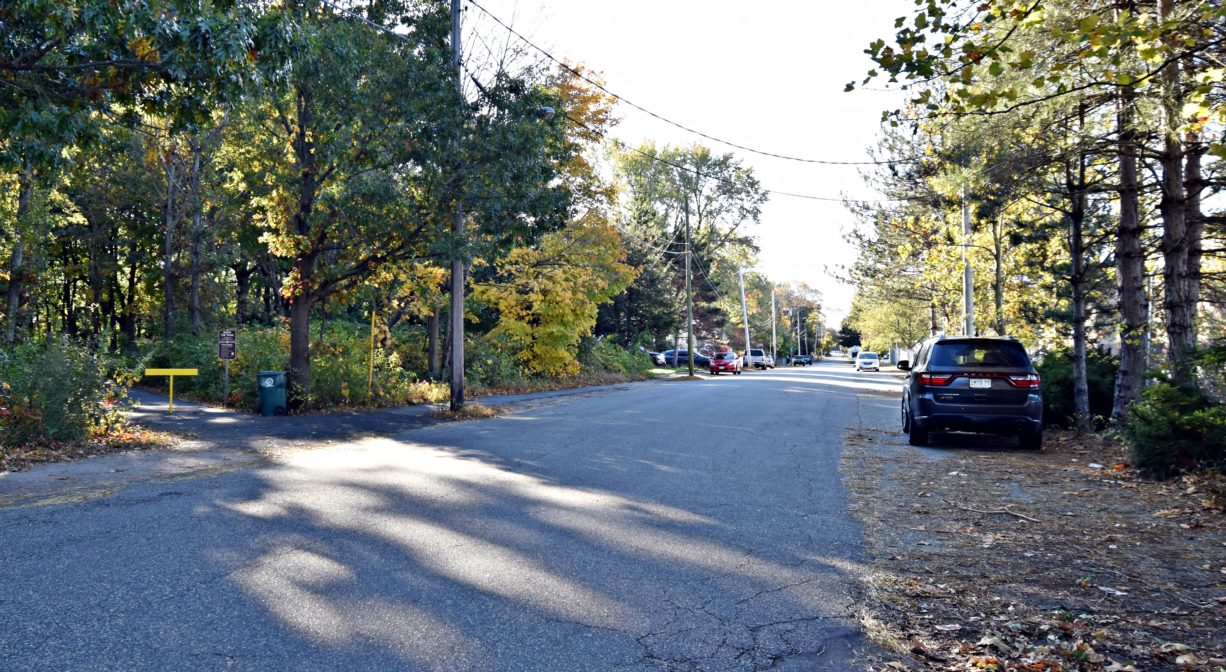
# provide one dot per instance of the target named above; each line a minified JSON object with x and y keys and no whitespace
{"x":644,"y":242}
{"x":707,"y":277}
{"x":619,"y":143}
{"x":717,"y":178}
{"x":666,"y":120}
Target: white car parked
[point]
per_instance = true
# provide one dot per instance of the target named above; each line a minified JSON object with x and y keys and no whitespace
{"x":759,"y":359}
{"x":868,"y":360}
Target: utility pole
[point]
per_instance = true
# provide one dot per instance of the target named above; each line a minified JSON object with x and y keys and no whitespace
{"x":800,"y":320}
{"x":773,"y":353}
{"x":968,"y":275}
{"x":457,"y":229}
{"x":689,"y":293}
{"x":744,"y":315}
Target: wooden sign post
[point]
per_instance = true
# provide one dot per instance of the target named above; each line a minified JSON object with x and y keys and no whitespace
{"x":227,"y":349}
{"x":172,"y":373}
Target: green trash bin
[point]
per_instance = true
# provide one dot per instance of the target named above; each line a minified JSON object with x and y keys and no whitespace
{"x":272,"y":392}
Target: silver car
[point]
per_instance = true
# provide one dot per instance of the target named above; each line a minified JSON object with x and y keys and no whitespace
{"x":868,"y":360}
{"x":760,"y":359}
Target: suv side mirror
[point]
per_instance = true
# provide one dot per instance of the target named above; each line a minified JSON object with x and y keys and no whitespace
{"x":904,"y":365}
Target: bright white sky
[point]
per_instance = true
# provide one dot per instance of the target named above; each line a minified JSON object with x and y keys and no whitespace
{"x":765,"y":75}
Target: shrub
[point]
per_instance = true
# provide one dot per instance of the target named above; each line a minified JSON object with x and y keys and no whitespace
{"x":492,"y":363}
{"x":1056,"y":370}
{"x":341,"y":371}
{"x":1171,"y":428}
{"x":55,"y":390}
{"x":340,"y":368}
{"x":259,"y":349}
{"x":601,"y":356}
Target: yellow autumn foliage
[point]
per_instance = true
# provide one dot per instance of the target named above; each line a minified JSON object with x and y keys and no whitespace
{"x":547,"y":296}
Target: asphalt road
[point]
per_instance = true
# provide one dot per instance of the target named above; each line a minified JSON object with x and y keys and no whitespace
{"x":681,"y":525}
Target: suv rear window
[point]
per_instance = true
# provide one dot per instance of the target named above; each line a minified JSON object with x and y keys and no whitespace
{"x":979,"y":355}
{"x":755,"y":353}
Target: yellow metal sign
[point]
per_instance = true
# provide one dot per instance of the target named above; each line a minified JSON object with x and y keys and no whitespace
{"x":170,"y":407}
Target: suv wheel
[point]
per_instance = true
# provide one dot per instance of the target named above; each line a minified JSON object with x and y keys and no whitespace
{"x":906,"y":419}
{"x":1031,"y":440}
{"x":916,"y":435}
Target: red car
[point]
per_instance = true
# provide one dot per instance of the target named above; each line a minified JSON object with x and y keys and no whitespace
{"x":725,"y":361}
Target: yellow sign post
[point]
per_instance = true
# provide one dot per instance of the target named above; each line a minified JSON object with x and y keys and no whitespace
{"x":172,"y":373}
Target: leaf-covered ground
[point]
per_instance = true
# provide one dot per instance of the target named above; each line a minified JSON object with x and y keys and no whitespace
{"x":121,"y":440}
{"x":991,"y":558}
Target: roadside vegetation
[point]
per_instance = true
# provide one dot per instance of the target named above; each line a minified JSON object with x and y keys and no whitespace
{"x":1071,"y":155}
{"x":292,"y":172}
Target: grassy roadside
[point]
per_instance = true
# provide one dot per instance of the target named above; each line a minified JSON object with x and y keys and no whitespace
{"x":990,"y":558}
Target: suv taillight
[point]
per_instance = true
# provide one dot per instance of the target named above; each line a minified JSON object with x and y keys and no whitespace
{"x":936,"y":379}
{"x":1029,"y":380}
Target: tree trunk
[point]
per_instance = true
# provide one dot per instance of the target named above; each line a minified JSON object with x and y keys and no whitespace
{"x":998,"y":280}
{"x":433,"y":361}
{"x":303,"y":295}
{"x":242,"y":289}
{"x":169,"y":222}
{"x":1081,"y":388}
{"x":446,"y":343}
{"x":128,"y":321}
{"x":274,"y":302}
{"x":1177,"y":305}
{"x":17,"y":257}
{"x":1129,"y":265}
{"x":1075,"y":184}
{"x":197,"y":233}
{"x":300,"y":349}
{"x":1195,"y":185}
{"x":97,"y":236}
{"x":932,"y":315}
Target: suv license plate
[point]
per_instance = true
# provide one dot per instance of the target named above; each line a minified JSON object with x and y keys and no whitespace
{"x":981,"y":382}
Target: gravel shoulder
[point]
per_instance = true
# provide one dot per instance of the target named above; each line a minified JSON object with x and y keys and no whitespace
{"x":991,"y":558}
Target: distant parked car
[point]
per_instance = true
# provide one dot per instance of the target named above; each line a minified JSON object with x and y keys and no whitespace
{"x":868,"y":360}
{"x":680,"y":358}
{"x":657,"y":358}
{"x":729,"y":362}
{"x":760,"y":359}
{"x":801,"y":360}
{"x":986,"y":385}
{"x":853,"y":353}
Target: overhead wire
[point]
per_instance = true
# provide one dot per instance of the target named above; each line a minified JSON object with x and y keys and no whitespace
{"x":706,"y":276}
{"x":644,"y":242}
{"x":698,"y":173}
{"x":619,"y":143}
{"x":668,"y":121}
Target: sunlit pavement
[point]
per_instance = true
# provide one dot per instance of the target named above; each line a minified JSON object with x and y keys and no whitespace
{"x":679,"y":525}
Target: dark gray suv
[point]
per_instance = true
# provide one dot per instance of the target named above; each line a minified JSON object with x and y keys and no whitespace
{"x":985,"y":385}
